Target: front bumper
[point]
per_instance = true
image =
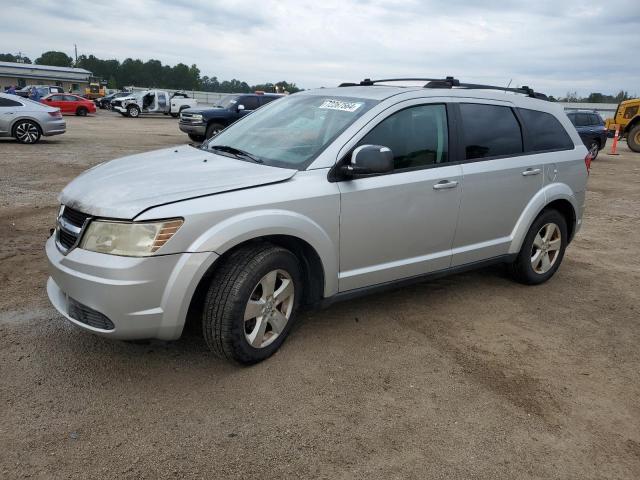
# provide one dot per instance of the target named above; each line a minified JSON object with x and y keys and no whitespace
{"x":193,"y":128}
{"x":119,"y":108}
{"x":143,"y":297}
{"x":55,"y":127}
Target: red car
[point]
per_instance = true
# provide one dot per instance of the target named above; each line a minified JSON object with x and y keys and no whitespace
{"x":68,"y":103}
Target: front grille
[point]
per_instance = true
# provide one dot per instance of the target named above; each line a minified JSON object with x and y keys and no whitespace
{"x":67,"y":240}
{"x":70,"y":226}
{"x":74,"y":216}
{"x":88,"y":316}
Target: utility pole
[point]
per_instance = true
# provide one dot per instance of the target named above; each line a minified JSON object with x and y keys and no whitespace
{"x":76,"y":49}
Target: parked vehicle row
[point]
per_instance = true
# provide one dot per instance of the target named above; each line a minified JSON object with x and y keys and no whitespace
{"x":105,"y":102}
{"x":323,"y":195}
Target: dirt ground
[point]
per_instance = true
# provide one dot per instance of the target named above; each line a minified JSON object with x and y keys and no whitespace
{"x":472,"y":376}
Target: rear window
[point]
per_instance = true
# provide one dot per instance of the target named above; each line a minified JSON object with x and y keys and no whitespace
{"x":490,"y":131}
{"x":545,"y":132}
{"x":5,"y":102}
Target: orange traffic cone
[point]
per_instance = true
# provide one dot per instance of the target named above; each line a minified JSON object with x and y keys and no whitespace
{"x":614,"y":145}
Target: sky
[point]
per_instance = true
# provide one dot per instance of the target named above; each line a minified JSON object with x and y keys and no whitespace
{"x":554,"y":46}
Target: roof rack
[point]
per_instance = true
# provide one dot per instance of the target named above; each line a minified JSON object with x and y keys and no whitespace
{"x":450,"y":82}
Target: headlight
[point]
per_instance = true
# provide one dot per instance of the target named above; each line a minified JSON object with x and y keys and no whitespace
{"x":130,"y":239}
{"x":196,"y":117}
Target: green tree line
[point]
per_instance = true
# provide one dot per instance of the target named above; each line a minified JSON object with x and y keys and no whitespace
{"x":151,"y":74}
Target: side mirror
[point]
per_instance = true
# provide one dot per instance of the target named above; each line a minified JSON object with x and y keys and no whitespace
{"x":240,"y":107}
{"x":369,"y":160}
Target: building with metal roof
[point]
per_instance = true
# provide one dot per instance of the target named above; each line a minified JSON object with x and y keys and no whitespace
{"x":22,"y":74}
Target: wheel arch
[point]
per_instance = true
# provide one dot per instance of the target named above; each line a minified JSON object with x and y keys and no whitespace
{"x":313,"y":272}
{"x":555,"y":196}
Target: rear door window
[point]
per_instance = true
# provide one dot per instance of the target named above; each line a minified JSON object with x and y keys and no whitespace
{"x":5,"y":102}
{"x":490,"y":131}
{"x":544,"y":131}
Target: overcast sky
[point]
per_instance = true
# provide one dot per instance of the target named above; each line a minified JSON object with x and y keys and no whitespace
{"x":552,"y":45}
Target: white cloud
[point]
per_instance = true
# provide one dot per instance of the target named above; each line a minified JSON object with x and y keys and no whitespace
{"x":551,"y":45}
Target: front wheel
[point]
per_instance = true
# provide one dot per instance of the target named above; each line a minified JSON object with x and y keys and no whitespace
{"x":542,"y":250}
{"x":196,"y":138}
{"x":133,"y":111}
{"x":251,"y":303}
{"x":633,"y":138}
{"x":594,"y":148}
{"x":213,"y":130}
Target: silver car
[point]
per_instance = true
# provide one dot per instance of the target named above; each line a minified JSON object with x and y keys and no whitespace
{"x":26,"y":120}
{"x":324,"y":195}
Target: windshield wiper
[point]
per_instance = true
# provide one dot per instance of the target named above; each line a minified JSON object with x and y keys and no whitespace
{"x":236,"y":152}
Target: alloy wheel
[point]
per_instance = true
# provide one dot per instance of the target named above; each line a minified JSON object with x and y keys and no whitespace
{"x":269,"y":308}
{"x":27,"y":132}
{"x":546,"y":248}
{"x":593,"y":150}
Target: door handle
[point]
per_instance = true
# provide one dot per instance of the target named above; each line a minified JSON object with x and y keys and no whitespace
{"x":444,"y":184}
{"x":531,"y":171}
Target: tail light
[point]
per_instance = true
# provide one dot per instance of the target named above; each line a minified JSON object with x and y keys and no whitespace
{"x":56,"y":114}
{"x":587,"y":162}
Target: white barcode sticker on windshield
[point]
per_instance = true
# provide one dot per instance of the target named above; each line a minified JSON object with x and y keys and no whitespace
{"x":339,"y":105}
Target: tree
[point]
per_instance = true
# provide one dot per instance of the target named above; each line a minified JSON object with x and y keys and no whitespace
{"x":55,"y":59}
{"x":8,"y":57}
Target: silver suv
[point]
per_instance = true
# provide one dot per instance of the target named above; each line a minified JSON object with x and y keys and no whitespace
{"x":323,"y":195}
{"x":27,"y":120}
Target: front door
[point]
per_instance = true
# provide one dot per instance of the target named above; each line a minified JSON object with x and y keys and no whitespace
{"x":401,"y":224}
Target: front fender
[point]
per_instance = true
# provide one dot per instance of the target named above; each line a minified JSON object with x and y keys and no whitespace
{"x":255,"y":224}
{"x":550,"y":193}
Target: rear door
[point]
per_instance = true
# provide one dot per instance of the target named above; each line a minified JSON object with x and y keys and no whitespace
{"x":71,"y":103}
{"x":250,"y":104}
{"x":499,"y":180}
{"x":401,"y":224}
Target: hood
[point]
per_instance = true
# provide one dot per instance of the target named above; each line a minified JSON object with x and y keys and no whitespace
{"x":125,"y":187}
{"x":208,"y":110}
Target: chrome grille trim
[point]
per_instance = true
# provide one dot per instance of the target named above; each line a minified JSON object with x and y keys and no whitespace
{"x":69,"y":227}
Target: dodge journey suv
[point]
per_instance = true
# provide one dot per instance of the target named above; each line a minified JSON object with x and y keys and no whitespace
{"x":322,"y":195}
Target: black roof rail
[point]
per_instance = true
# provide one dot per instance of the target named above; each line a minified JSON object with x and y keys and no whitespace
{"x":450,"y":82}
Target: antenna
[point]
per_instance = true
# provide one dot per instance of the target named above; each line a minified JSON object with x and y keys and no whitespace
{"x":75,"y":47}
{"x":508,"y":84}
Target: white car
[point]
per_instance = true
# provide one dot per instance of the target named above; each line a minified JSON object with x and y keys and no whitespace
{"x":153,"y":101}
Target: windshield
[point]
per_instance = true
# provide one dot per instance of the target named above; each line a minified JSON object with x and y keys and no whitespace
{"x":291,"y":132}
{"x":227,"y":101}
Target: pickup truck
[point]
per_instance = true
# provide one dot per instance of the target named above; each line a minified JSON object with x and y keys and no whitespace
{"x":204,"y":123}
{"x":153,"y":101}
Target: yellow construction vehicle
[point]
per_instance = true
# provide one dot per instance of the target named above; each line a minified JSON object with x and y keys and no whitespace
{"x":96,"y":89}
{"x":627,"y":119}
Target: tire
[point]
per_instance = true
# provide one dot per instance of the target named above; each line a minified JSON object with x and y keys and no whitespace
{"x":213,"y":129}
{"x":82,"y":112}
{"x":594,"y":148}
{"x":633,"y":138}
{"x":246,"y":274}
{"x":27,"y":131}
{"x":196,"y":138}
{"x":533,"y":272}
{"x":133,"y":111}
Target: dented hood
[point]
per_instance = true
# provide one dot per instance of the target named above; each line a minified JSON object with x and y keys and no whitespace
{"x":125,"y":187}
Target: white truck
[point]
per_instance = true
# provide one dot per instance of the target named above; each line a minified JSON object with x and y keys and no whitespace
{"x":153,"y":101}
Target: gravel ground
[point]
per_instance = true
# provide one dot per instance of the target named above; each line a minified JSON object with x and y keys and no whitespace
{"x":471,"y":376}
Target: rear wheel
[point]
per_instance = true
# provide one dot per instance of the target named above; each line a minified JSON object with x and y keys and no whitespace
{"x":26,"y":131}
{"x":633,"y":138}
{"x":213,"y":130}
{"x":594,"y":148}
{"x":251,"y":303}
{"x":82,"y":112}
{"x":542,"y":250}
